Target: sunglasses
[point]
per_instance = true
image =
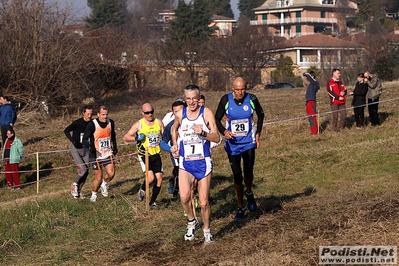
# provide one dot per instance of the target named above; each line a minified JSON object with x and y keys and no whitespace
{"x":149,"y":112}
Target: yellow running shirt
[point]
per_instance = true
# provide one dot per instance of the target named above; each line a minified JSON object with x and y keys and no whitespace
{"x":152,"y":138}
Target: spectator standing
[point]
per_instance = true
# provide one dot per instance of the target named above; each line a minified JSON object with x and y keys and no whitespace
{"x":337,"y":91}
{"x":6,"y":116}
{"x":373,"y":96}
{"x":12,"y":152}
{"x":313,"y":88}
{"x":359,"y":100}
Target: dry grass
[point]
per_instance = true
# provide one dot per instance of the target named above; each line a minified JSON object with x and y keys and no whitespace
{"x":332,"y":189}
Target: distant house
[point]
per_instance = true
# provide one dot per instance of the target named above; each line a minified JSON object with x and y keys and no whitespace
{"x":320,"y":51}
{"x":292,"y":18}
{"x":224,"y":25}
{"x":161,"y":23}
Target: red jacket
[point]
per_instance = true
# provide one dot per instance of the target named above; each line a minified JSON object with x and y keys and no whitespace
{"x":333,"y":89}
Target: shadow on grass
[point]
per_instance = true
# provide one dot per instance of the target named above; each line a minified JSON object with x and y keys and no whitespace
{"x":34,"y":140}
{"x":266,"y":205}
{"x":32,"y":175}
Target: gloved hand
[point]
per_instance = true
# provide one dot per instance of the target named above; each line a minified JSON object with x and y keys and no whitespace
{"x":77,"y":145}
{"x":140,"y":137}
{"x":115,"y":150}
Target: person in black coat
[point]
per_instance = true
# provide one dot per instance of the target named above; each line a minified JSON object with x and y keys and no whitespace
{"x":359,"y":100}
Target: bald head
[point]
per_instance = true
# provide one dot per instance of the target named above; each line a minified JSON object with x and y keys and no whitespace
{"x":146,"y":107}
{"x":148,"y":112}
{"x":239,"y":88}
{"x":239,"y":82}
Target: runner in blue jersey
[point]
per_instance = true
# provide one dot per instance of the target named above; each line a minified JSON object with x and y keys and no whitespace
{"x":241,"y":138}
{"x":194,"y":128}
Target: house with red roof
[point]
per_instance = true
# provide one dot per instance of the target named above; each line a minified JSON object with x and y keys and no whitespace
{"x":292,"y":18}
{"x":320,"y":51}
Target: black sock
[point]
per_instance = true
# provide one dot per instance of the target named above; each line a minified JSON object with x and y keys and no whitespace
{"x":155,"y":193}
{"x":143,"y":186}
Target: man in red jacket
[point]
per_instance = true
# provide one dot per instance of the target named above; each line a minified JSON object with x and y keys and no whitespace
{"x":337,"y":91}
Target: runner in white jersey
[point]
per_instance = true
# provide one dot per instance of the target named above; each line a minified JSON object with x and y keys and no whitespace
{"x":192,"y":132}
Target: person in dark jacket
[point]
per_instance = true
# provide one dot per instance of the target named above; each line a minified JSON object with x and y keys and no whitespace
{"x":12,"y":152}
{"x":374,"y":91}
{"x":359,"y":100}
{"x":6,"y":116}
{"x":337,"y":91}
{"x":313,"y":87}
{"x":79,"y":153}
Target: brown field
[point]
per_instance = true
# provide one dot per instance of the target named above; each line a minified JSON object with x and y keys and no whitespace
{"x":330,"y":189}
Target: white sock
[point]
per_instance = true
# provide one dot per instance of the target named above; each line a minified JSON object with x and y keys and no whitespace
{"x":207,"y":231}
{"x":103,"y":183}
{"x":75,"y":184}
{"x":94,"y":193}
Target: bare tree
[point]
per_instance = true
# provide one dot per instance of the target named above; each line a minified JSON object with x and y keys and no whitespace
{"x":242,"y":54}
{"x":44,"y":56}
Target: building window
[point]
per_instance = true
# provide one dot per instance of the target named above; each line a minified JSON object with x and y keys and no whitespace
{"x":298,"y":14}
{"x":264,"y":16}
{"x":323,"y":14}
{"x":298,"y":30}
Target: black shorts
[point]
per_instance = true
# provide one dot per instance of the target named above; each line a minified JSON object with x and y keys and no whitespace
{"x":155,"y":163}
{"x":97,"y":163}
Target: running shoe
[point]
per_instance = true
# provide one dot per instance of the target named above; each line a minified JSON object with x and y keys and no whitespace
{"x":141,"y":194}
{"x":17,"y":188}
{"x":251,"y":201}
{"x":74,"y":190}
{"x":153,"y":205}
{"x":104,"y":189}
{"x":171,"y":184}
{"x":189,"y":236}
{"x":93,"y":198}
{"x":81,"y":195}
{"x":239,"y":214}
{"x":208,"y":238}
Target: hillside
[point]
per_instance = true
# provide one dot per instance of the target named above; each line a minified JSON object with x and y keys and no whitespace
{"x":331,"y":189}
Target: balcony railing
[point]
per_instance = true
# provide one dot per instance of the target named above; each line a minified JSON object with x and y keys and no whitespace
{"x":293,"y":21}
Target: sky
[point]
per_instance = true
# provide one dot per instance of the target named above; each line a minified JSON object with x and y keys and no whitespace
{"x":82,"y":10}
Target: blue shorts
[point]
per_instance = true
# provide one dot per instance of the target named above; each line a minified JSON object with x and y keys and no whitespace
{"x":97,"y":163}
{"x":198,"y":168}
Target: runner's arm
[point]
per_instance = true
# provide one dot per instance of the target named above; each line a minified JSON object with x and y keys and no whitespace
{"x":113,"y":137}
{"x":220,"y":112}
{"x":213,"y":136}
{"x":130,"y":136}
{"x":69,"y":129}
{"x":88,"y":139}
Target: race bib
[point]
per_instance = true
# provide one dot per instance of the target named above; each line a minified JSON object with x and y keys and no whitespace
{"x":153,"y":140}
{"x":104,"y":144}
{"x":239,"y":127}
{"x":193,"y":150}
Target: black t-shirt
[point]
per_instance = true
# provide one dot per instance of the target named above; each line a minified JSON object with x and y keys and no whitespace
{"x":220,"y":112}
{"x":78,"y":128}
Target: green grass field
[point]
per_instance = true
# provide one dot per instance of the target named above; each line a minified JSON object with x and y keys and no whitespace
{"x":330,"y":189}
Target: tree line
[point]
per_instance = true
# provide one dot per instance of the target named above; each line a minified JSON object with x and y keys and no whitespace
{"x":46,"y":57}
